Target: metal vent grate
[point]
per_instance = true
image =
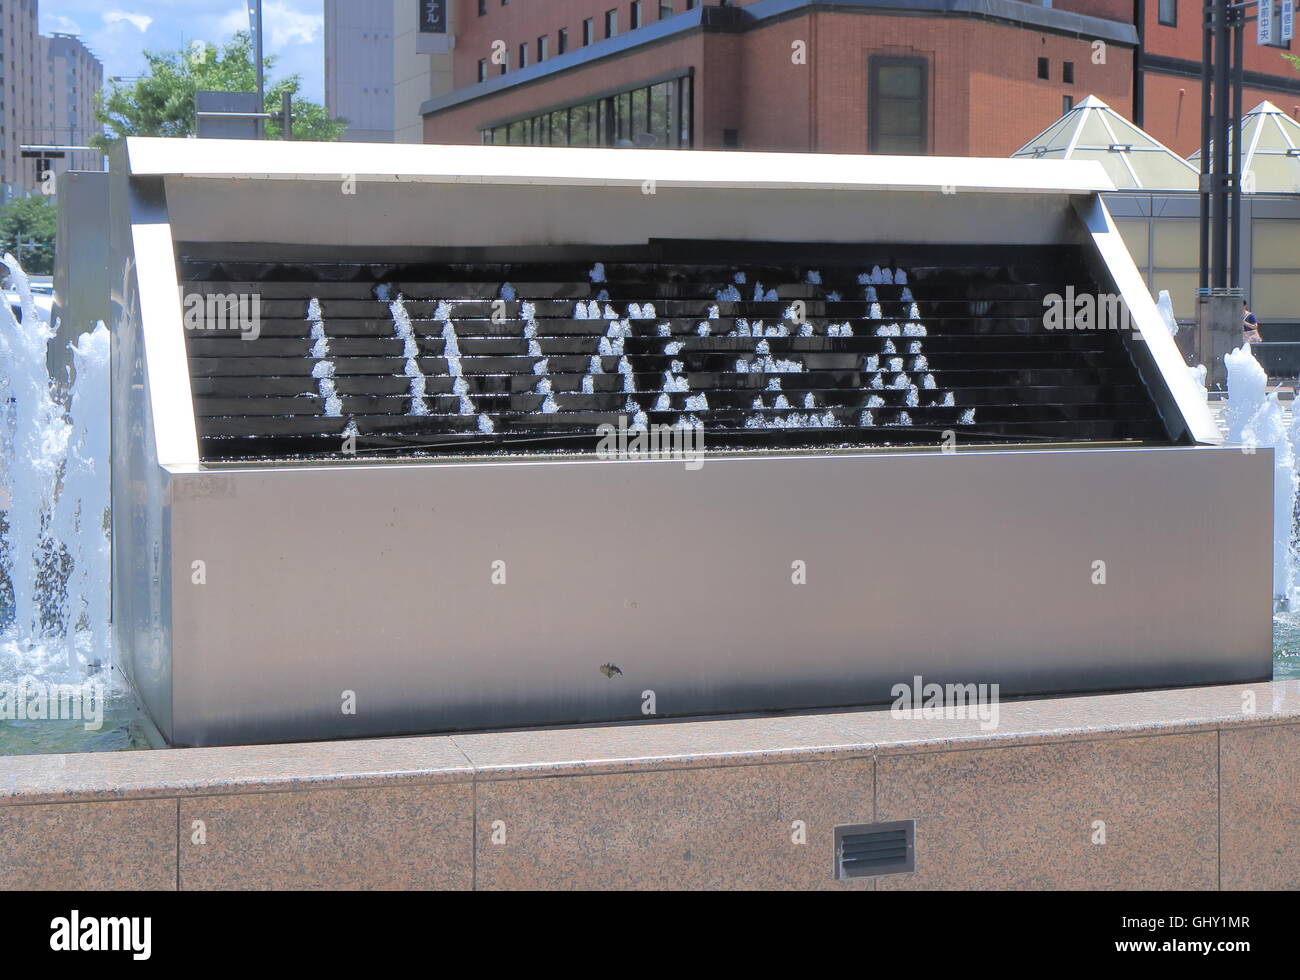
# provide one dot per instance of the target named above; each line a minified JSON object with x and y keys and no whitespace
{"x":833,"y":347}
{"x":867,"y":850}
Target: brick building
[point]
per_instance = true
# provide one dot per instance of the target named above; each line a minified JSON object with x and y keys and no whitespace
{"x":948,"y":77}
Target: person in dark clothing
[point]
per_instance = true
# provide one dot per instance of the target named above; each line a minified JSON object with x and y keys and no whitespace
{"x":1249,"y":325}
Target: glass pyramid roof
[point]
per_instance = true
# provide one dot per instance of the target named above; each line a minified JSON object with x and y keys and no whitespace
{"x":1270,"y":146}
{"x":1134,"y":159}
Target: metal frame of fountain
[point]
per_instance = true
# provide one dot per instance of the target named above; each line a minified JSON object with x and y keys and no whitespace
{"x":261,"y":600}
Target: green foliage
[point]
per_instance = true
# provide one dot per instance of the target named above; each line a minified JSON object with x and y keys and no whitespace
{"x":30,"y":218}
{"x":161,"y":103}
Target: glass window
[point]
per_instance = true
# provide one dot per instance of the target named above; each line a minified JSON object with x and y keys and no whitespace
{"x":1177,"y":245}
{"x":685,"y":109}
{"x":559,"y":128}
{"x":562,"y":40}
{"x":588,"y":31}
{"x":1136,"y":235}
{"x":661,"y":115}
{"x":1275,"y":244}
{"x":611,"y":23}
{"x":898,"y":120}
{"x":657,"y":115}
{"x":1273,"y":296}
{"x":1168,"y":13}
{"x":641,"y":117}
{"x":579,"y":126}
{"x":634,"y":20}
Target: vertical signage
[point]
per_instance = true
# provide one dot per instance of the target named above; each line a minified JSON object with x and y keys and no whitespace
{"x":1264,"y":23}
{"x":1288,"y":20}
{"x":433,"y":16}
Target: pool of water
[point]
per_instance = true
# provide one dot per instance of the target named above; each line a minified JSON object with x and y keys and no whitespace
{"x":1286,"y":646}
{"x":112,"y":719}
{"x":123,"y":728}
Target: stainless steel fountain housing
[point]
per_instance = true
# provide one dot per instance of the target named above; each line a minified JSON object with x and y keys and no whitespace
{"x":274,"y":602}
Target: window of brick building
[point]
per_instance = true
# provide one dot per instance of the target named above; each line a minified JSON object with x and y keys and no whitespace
{"x":543,"y":48}
{"x":665,"y":9}
{"x":562,"y":40}
{"x":611,"y":23}
{"x":1168,"y":13}
{"x":1044,"y":68}
{"x":1067,"y":103}
{"x":482,"y":69}
{"x":647,"y":115}
{"x":634,"y":15}
{"x":588,"y":31}
{"x":898,"y":119}
{"x":523,"y":55}
{"x":1067,"y":72}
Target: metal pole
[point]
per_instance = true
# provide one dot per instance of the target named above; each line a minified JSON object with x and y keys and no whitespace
{"x":1238,"y":57}
{"x":1222,"y":124}
{"x":286,"y":115}
{"x":1206,"y":52}
{"x":1139,"y":78}
{"x":261,"y":81}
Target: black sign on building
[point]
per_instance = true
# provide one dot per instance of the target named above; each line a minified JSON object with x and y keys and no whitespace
{"x":433,"y":16}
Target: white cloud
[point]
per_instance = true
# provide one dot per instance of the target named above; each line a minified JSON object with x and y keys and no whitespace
{"x":282,"y":23}
{"x":51,"y":23}
{"x":140,"y":22}
{"x":285,"y":26}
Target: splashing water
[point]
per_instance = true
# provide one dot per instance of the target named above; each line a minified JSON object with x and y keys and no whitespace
{"x":54,"y":491}
{"x":1247,"y":383}
{"x":1255,"y":419}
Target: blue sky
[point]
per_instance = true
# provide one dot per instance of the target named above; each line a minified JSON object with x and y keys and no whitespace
{"x":119,"y":32}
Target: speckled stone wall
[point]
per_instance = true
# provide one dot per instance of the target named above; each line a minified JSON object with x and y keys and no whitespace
{"x":1187,"y":789}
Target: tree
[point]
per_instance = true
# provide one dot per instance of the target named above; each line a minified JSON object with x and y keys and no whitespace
{"x":161,"y":103}
{"x":30,"y":219}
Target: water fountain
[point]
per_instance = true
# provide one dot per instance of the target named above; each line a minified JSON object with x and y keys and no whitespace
{"x":54,"y":550}
{"x":211,"y":433}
